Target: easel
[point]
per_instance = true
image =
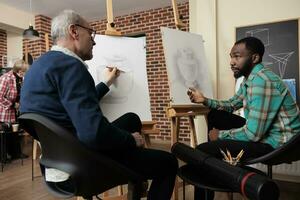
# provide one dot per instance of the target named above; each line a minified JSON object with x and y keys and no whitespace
{"x":176,"y":112}
{"x":110,"y":26}
{"x":178,"y":23}
{"x":34,"y":145}
{"x":148,"y":127}
{"x":26,"y":53}
{"x":34,"y":142}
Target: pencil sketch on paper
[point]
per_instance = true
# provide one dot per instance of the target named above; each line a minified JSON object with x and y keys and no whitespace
{"x":129,"y":92}
{"x":186,"y":64}
{"x":123,"y":85}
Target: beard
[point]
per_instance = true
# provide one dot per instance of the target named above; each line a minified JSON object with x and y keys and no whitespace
{"x":245,"y":70}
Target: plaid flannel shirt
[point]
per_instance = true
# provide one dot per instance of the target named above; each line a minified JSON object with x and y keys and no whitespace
{"x":272,"y":115}
{"x":8,"y":95}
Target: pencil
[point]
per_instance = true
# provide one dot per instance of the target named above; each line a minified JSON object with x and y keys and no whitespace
{"x":109,"y":67}
{"x":238,"y":157}
{"x":229,"y":155}
{"x":223,"y":153}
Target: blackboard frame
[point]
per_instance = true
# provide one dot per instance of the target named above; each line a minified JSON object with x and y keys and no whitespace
{"x":281,"y":39}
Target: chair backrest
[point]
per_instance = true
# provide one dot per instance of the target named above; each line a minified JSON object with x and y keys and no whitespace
{"x":91,"y":172}
{"x":287,"y":153}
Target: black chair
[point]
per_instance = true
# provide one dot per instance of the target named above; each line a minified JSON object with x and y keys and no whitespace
{"x":91,"y":173}
{"x":287,"y":153}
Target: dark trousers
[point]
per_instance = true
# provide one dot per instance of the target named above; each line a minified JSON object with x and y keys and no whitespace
{"x":13,"y":145}
{"x":159,"y":166}
{"x":12,"y":141}
{"x":223,"y":120}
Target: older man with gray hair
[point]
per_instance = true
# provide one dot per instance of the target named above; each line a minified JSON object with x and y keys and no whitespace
{"x":66,"y":93}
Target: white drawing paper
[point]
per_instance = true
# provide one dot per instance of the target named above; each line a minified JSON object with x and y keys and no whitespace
{"x":186,"y":64}
{"x":129,"y":92}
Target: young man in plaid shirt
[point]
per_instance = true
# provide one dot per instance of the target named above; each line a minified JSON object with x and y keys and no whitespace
{"x":271,"y":113}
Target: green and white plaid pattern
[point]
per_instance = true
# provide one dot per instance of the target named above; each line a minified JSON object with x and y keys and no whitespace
{"x":271,"y":112}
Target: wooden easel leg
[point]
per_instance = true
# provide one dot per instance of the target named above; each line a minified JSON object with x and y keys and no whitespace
{"x":34,"y":150}
{"x":174,"y":138}
{"x":175,"y":129}
{"x":105,"y":194}
{"x":120,"y":190}
{"x":193,"y":132}
{"x":175,"y":191}
{"x":230,"y":195}
{"x":147,"y":140}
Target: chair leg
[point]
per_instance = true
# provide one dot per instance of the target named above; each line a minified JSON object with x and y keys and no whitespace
{"x":206,"y":194}
{"x":3,"y":153}
{"x":270,"y":171}
{"x":32,"y":161}
{"x":183,"y":190}
{"x":230,"y":195}
{"x":134,"y":191}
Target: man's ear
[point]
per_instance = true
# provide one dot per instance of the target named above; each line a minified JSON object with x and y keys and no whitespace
{"x":73,"y":31}
{"x":255,"y":58}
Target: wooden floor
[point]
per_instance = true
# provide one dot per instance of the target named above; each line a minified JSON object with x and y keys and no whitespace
{"x":16,"y":183}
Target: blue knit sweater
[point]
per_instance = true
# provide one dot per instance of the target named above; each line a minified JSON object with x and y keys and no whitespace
{"x":60,"y":87}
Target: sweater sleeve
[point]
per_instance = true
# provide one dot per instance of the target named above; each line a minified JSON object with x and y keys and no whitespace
{"x":102,"y":90}
{"x":80,"y":99}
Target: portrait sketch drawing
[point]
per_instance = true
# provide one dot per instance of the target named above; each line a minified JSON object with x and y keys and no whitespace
{"x":186,"y":64}
{"x":129,"y":92}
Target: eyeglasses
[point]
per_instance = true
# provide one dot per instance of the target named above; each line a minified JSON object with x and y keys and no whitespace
{"x":91,"y":31}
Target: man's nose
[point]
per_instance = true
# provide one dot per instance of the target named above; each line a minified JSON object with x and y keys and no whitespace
{"x":232,"y":63}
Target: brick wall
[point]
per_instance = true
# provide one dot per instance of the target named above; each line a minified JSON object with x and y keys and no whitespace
{"x":149,"y":23}
{"x":3,"y":45}
{"x":38,"y":47}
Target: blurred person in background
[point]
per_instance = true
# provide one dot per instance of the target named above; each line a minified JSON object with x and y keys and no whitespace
{"x":10,"y":87}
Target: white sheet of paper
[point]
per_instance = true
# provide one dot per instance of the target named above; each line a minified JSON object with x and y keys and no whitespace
{"x":130,"y":92}
{"x":186,"y":64}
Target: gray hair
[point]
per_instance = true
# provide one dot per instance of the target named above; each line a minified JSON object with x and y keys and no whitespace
{"x":20,"y":65}
{"x":61,"y":23}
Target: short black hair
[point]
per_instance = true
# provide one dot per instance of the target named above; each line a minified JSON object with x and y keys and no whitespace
{"x":254,"y":45}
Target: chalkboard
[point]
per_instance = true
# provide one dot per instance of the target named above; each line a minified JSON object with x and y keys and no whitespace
{"x":281,"y":40}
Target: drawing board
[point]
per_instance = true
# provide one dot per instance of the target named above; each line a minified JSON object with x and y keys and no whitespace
{"x":129,"y":92}
{"x":186,"y":64}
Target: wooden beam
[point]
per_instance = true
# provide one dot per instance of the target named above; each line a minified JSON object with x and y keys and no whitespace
{"x":47,"y":41}
{"x":110,"y":26}
{"x":178,"y":23}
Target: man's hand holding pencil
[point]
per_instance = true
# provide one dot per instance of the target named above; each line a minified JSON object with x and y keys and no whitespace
{"x":111,"y":73}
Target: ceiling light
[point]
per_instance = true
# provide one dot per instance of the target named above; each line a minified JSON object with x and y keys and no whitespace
{"x":30,"y":33}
